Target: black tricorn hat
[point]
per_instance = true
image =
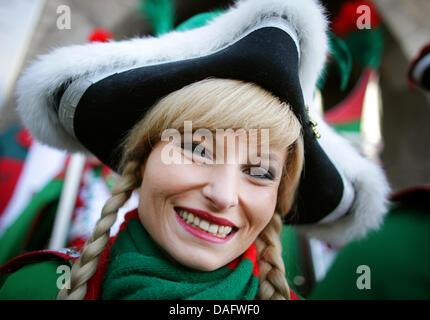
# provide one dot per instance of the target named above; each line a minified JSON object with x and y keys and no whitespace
{"x":86,"y":98}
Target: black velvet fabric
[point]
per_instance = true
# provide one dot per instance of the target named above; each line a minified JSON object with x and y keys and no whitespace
{"x":425,"y":81}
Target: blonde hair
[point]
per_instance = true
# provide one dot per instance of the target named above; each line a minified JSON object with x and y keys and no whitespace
{"x":211,"y":104}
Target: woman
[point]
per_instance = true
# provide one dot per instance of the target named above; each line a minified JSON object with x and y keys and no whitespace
{"x":253,"y":67}
{"x":214,"y":189}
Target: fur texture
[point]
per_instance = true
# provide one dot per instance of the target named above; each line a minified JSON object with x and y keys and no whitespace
{"x":42,"y":79}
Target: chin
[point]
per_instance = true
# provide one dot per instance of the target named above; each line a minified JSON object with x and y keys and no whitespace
{"x":201,"y":262}
{"x":205,"y":267}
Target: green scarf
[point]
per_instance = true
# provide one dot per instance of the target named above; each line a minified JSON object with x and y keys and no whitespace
{"x":138,"y":269}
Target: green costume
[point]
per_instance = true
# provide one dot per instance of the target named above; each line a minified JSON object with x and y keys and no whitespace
{"x":397,"y":256}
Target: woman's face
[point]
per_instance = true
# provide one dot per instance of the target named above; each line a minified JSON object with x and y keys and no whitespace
{"x":204,"y":215}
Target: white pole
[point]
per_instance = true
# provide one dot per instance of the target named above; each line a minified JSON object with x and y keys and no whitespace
{"x":67,"y":202}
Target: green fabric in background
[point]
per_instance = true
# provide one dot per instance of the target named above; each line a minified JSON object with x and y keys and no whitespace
{"x":198,"y":20}
{"x":398,"y":257}
{"x":161,"y":16}
{"x":292,"y":257}
{"x":348,"y":127}
{"x":15,"y":238}
{"x":159,"y":13}
{"x":366,"y":46}
{"x":37,"y":281}
{"x":10,"y":147}
{"x":342,"y":60}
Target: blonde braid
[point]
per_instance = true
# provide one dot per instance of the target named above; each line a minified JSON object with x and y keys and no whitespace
{"x":273,"y":284}
{"x":86,"y":265}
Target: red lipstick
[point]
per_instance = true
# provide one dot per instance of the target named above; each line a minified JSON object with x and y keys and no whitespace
{"x":208,"y":217}
{"x":202,"y":234}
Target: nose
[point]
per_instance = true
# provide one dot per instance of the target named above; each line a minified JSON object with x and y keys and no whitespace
{"x":222,"y":188}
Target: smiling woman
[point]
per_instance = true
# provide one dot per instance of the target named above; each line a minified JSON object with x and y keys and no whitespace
{"x":206,"y":216}
{"x":204,"y":229}
{"x":184,"y":207}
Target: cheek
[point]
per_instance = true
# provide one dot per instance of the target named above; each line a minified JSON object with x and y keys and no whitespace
{"x":260,"y":204}
{"x":163,"y":183}
{"x":168,"y":179}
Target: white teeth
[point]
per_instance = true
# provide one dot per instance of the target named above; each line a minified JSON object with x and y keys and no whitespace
{"x":217,"y":230}
{"x":204,"y":225}
{"x":196,"y":221}
{"x":213,"y":228}
{"x":190,"y":218}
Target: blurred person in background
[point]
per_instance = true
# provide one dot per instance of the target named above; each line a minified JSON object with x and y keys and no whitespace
{"x":393,"y":262}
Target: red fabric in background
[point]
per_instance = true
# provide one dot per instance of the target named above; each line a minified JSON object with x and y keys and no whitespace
{"x":23,"y":137}
{"x":11,"y":165}
{"x":10,"y":171}
{"x":100,"y":35}
{"x":346,"y":20}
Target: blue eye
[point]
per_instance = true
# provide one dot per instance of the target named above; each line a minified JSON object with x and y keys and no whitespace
{"x":259,"y":173}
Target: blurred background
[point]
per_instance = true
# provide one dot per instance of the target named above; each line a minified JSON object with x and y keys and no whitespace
{"x":367,"y":72}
